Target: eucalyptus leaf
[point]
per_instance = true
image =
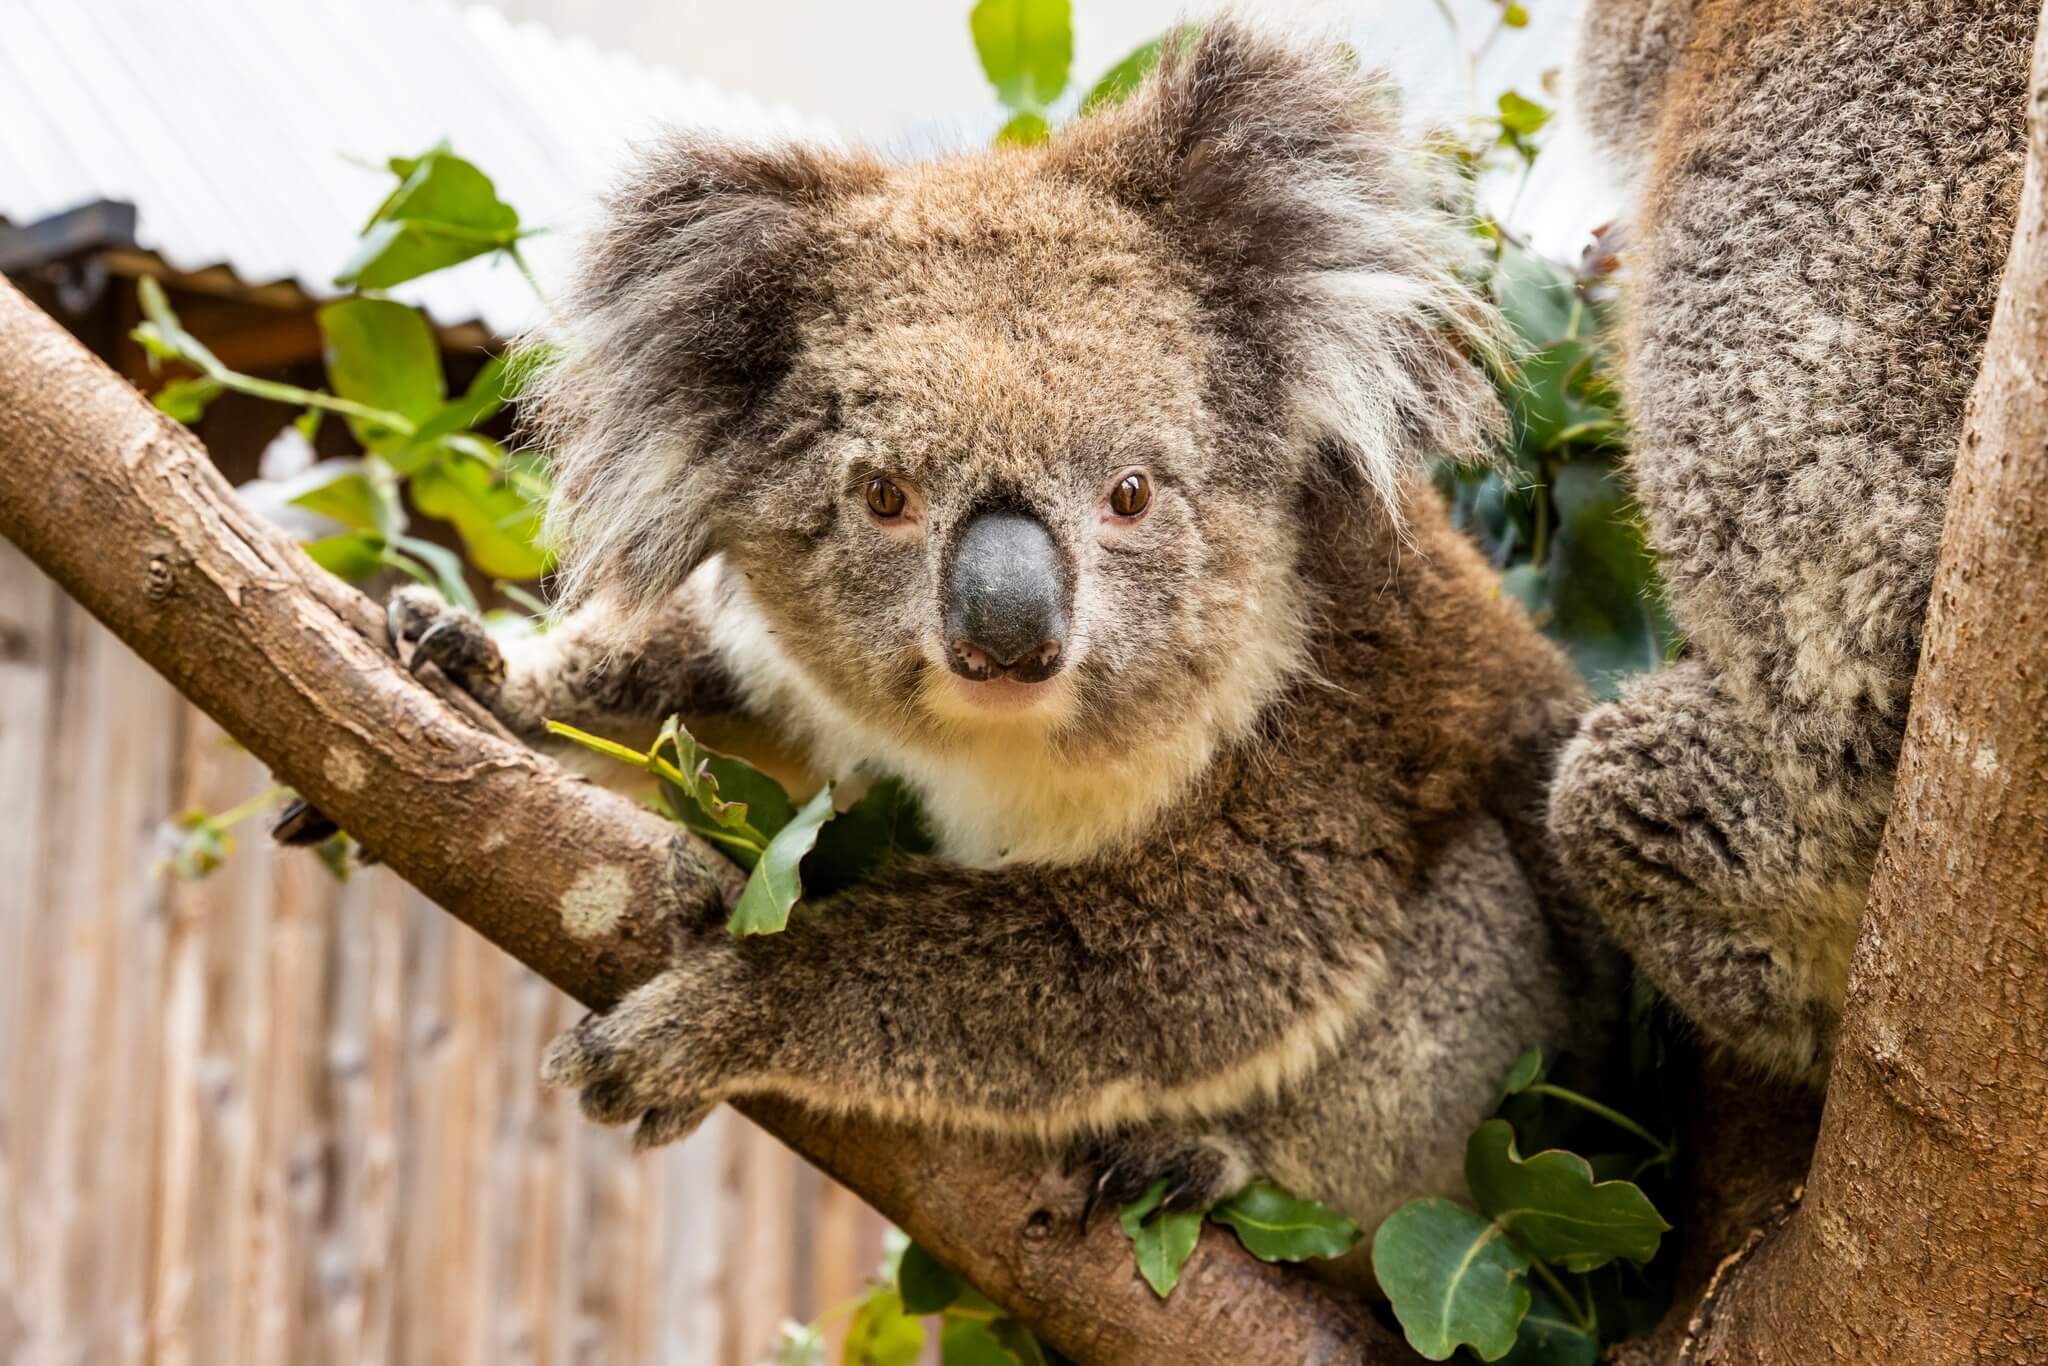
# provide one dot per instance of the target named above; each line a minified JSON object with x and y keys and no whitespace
{"x":885,"y":824}
{"x":355,"y":494}
{"x":382,"y":354}
{"x":1554,"y":1207}
{"x":1116,"y":84}
{"x":882,"y":1334}
{"x":924,"y":1282}
{"x":973,"y":1342}
{"x":1550,"y":1337}
{"x":1453,"y":1278}
{"x":185,"y":400}
{"x":350,"y":555}
{"x":1162,"y":1240}
{"x":499,"y":527}
{"x":444,"y":211}
{"x":1023,"y":130}
{"x":1026,"y":49}
{"x":1527,"y":1071}
{"x":1277,"y":1227}
{"x":775,"y":884}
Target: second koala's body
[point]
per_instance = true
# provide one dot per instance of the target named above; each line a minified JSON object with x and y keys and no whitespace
{"x":1076,"y":486}
{"x":1826,"y":197}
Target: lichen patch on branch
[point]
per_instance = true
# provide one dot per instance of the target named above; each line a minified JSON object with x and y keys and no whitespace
{"x":595,"y":901}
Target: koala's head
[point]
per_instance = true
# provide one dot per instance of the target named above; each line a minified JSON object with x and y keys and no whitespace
{"x":1030,"y":438}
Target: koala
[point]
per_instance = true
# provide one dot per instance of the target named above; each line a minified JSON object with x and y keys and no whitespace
{"x":1077,"y":486}
{"x":1825,"y":197}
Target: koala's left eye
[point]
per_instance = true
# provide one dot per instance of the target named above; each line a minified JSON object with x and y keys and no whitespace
{"x":884,"y":498}
{"x":1131,"y":496}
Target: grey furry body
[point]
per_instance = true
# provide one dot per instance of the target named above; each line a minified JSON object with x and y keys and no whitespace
{"x":1257,"y":883}
{"x":1826,"y":194}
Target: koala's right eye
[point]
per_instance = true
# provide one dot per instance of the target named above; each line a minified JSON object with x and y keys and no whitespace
{"x":885,"y":500}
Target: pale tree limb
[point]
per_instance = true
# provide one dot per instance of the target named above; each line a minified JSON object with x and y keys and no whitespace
{"x":122,"y":508}
{"x":1923,"y":1234}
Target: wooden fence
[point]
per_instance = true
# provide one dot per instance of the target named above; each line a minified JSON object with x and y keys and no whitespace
{"x":272,"y":1118}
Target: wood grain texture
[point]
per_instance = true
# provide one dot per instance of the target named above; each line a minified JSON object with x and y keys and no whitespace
{"x":267,"y":1118}
{"x":121,"y":508}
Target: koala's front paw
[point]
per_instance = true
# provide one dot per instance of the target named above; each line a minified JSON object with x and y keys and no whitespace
{"x":651,"y":1059}
{"x":448,"y":637}
{"x":1200,"y":1169}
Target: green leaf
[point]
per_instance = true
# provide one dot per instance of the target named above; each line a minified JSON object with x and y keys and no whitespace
{"x":885,"y":824}
{"x":881,"y":1334}
{"x":1161,"y":1240}
{"x":1276,"y":1227}
{"x":444,"y":211}
{"x":351,"y":555}
{"x":1026,"y":49}
{"x":1453,"y":1277}
{"x":1527,"y":1071}
{"x":924,"y":1283}
{"x":762,"y":802}
{"x":1604,"y":608}
{"x":972,"y":1342}
{"x":486,"y":395}
{"x":1553,"y":1205}
{"x":432,"y":564}
{"x":775,"y":885}
{"x":1520,"y":114}
{"x":1549,"y":1337}
{"x":498,"y":525}
{"x":185,"y":400}
{"x":357,"y":494}
{"x":383,"y":355}
{"x":1539,"y":297}
{"x":1127,"y":75}
{"x":1023,"y":130}
{"x":1514,"y":16}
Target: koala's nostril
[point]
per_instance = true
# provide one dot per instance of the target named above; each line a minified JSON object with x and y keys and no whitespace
{"x":1034,"y":665}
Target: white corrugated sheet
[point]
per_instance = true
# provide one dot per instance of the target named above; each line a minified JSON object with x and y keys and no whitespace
{"x":242,"y":129}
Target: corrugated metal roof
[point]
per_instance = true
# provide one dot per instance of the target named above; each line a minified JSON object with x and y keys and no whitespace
{"x":252,"y":133}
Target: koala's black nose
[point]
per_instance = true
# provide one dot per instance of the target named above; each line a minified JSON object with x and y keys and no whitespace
{"x":1006,"y":600}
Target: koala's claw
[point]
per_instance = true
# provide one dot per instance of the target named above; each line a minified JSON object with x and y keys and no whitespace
{"x":447,"y":637}
{"x":302,"y":823}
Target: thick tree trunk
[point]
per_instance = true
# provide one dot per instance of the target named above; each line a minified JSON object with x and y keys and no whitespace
{"x":122,"y":508}
{"x":1923,"y":1235}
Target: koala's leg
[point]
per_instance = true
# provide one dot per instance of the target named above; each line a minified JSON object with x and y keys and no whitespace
{"x":579,"y":670}
{"x":1671,"y":822}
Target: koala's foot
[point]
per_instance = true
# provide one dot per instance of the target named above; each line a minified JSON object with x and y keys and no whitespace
{"x":1199,"y":1169}
{"x":1668,"y":818}
{"x":446,"y":636}
{"x":421,"y":628}
{"x":648,"y":1060}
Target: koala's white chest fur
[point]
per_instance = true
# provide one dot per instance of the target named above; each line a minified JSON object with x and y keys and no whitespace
{"x":1002,"y":797}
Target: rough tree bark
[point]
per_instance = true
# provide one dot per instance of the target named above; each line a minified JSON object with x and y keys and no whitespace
{"x":121,"y":506}
{"x":1923,"y":1234}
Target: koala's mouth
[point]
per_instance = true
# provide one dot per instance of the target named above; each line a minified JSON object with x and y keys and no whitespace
{"x":1003,"y":694}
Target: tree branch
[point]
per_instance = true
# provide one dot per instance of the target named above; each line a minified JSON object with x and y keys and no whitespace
{"x":121,"y":506}
{"x":1923,"y":1235}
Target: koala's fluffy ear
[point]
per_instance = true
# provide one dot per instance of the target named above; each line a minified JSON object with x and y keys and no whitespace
{"x":1319,"y":240}
{"x":683,"y":315}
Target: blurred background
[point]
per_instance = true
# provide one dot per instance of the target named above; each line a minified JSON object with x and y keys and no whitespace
{"x":251,"y":1110}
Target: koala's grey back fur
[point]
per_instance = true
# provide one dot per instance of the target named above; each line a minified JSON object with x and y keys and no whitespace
{"x":1827,"y":192}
